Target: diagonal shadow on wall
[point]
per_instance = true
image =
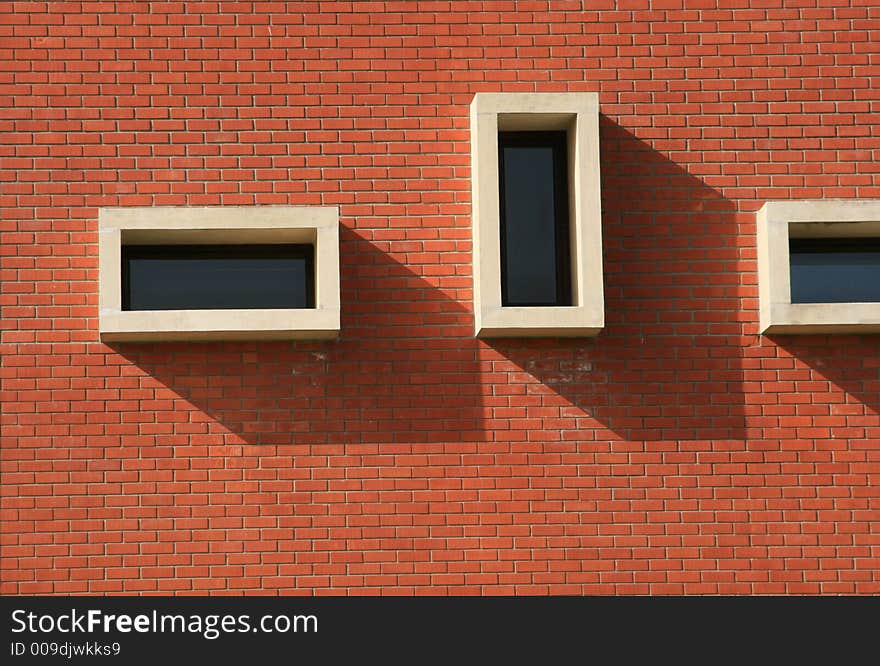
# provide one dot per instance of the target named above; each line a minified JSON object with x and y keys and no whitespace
{"x":406,"y":367}
{"x":668,"y":365}
{"x":833,"y":380}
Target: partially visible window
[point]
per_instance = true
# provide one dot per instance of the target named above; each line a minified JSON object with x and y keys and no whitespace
{"x":835,"y":270}
{"x":217,"y":277}
{"x":819,"y":266}
{"x":535,"y":248}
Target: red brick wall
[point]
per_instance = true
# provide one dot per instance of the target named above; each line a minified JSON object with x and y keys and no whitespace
{"x":677,"y":452}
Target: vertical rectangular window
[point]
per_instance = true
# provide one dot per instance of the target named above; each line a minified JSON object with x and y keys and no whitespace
{"x":535,"y":236}
{"x":217,"y":277}
{"x":835,"y":270}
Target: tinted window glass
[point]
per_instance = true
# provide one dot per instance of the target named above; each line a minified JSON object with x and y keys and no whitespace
{"x":217,"y":277}
{"x":535,"y":260}
{"x":831,"y":270}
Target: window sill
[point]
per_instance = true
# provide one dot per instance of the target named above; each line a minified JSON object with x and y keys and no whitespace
{"x":171,"y":325}
{"x":554,"y":321}
{"x":806,"y":318}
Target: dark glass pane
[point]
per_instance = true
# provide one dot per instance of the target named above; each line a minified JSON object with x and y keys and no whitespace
{"x":825,"y":270}
{"x":534,"y":219}
{"x":217,"y":277}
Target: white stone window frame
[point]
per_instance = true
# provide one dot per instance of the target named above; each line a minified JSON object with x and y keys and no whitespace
{"x":578,"y":114}
{"x":221,"y":225}
{"x":777,"y":223}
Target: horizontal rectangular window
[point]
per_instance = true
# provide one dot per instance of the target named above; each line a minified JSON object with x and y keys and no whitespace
{"x":835,"y":270}
{"x":217,"y":277}
{"x":535,"y":249}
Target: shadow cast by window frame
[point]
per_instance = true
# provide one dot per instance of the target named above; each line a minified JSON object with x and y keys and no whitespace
{"x":405,"y":369}
{"x":669,"y":363}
